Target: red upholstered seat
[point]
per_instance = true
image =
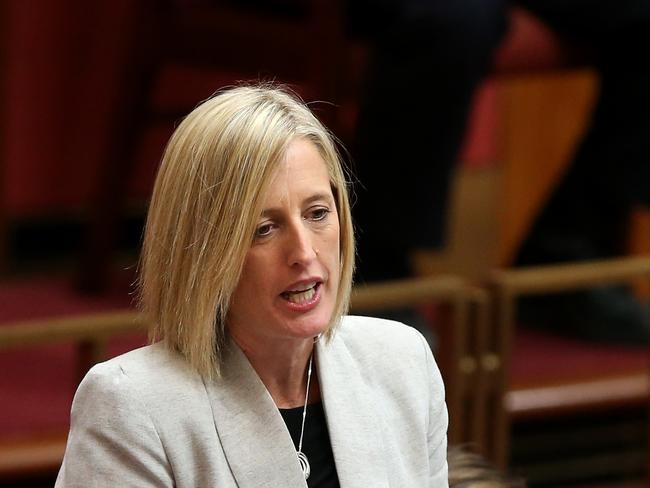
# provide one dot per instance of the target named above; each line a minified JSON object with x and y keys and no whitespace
{"x":543,"y":357}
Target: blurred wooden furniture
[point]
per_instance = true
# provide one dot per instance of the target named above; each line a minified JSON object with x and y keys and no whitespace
{"x":534,"y":108}
{"x":31,"y":456}
{"x":89,"y":332}
{"x":562,"y":394}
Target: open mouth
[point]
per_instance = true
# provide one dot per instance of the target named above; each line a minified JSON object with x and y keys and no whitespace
{"x":303,"y":295}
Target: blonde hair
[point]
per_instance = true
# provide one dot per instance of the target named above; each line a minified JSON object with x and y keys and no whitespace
{"x":206,"y":201}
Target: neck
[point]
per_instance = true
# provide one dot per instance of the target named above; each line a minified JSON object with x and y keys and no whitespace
{"x":283,"y":370}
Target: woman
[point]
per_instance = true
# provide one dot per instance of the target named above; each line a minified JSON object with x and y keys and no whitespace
{"x":255,"y":377}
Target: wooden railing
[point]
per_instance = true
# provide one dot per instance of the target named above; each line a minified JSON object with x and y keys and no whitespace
{"x":509,"y":285}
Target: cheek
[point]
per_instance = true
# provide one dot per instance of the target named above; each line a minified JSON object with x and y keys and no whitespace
{"x":333,"y":245}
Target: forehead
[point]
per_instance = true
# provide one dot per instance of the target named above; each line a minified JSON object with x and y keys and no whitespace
{"x":302,"y":172}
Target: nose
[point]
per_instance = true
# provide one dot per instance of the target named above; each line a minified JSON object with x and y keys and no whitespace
{"x":300,"y":244}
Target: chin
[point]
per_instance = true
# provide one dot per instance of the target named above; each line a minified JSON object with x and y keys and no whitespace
{"x":310,"y":327}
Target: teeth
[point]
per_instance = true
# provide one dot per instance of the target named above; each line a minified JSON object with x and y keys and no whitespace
{"x":301,"y":296}
{"x":305,"y":288}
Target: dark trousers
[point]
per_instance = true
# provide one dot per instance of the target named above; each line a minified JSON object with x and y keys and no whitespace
{"x":428,"y":58}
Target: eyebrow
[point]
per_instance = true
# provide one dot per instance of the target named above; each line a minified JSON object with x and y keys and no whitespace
{"x":311,"y":199}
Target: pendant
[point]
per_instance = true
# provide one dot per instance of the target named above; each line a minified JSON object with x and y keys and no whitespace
{"x":304,"y":464}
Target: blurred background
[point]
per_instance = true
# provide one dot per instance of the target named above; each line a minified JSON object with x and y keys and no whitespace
{"x":89,"y":94}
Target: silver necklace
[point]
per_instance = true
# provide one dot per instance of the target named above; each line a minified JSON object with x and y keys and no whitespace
{"x":302,"y":458}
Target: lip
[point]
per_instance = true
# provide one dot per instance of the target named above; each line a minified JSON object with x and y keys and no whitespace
{"x":304,"y":306}
{"x":303,"y":284}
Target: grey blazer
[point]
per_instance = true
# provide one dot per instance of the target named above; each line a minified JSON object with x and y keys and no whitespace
{"x":146,"y":419}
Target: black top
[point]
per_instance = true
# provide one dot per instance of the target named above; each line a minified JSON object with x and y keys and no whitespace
{"x":315,"y":444}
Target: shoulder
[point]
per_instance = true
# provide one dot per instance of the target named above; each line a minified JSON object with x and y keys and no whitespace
{"x":147,"y":374}
{"x":376,"y":336}
{"x":143,"y":362}
{"x":118,"y":388}
{"x":387,"y":348}
{"x":113,"y":420}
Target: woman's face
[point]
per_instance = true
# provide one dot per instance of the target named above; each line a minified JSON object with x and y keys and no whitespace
{"x":289,"y":283}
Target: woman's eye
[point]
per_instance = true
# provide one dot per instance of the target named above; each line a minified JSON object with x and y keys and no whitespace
{"x":263,"y":230}
{"x":319,"y":214}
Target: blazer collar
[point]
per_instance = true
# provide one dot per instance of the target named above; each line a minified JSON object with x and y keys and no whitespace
{"x":352,"y":418}
{"x":253,"y":435}
{"x":257,"y":444}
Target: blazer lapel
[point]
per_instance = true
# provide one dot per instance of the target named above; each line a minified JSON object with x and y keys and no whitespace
{"x":352,"y":418}
{"x":253,"y":435}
